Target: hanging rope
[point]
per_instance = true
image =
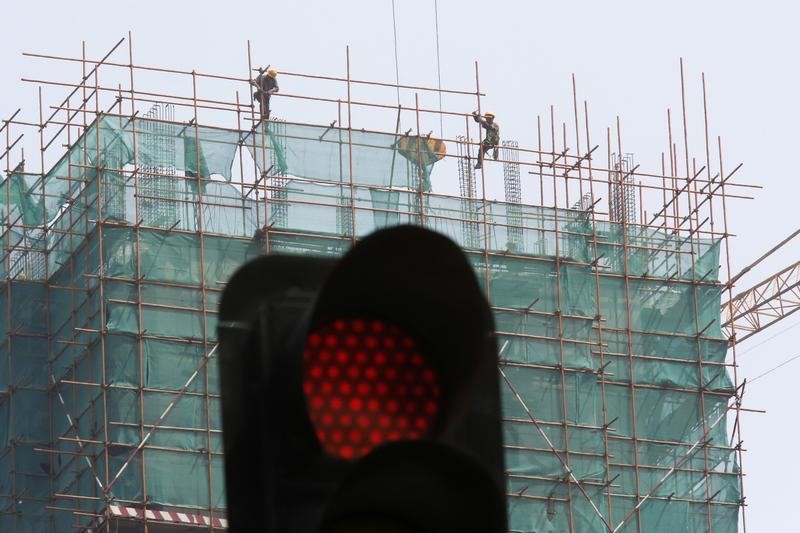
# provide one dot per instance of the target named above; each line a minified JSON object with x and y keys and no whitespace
{"x":438,"y":68}
{"x":396,"y":60}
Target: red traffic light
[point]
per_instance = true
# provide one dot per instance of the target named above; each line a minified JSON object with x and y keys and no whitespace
{"x":374,"y":374}
{"x":366,"y":383}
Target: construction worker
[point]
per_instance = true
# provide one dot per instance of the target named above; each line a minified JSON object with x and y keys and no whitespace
{"x":492,"y":139}
{"x":267,"y":85}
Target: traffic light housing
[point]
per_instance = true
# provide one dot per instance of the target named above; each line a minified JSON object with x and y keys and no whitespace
{"x":362,"y":391}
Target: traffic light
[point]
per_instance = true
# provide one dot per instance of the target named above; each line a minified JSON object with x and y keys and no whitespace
{"x":362,"y":394}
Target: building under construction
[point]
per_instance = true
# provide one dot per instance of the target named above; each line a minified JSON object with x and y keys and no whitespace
{"x":137,"y":202}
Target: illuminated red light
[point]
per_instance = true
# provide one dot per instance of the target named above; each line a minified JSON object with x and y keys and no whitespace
{"x":315,"y":340}
{"x":366,"y":383}
{"x":347,"y":451}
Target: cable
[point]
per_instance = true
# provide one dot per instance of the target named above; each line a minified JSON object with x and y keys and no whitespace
{"x":438,"y":68}
{"x":396,"y":60}
{"x":781,"y":332}
{"x":774,"y":368}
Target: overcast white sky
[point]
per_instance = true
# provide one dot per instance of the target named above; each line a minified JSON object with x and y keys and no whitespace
{"x":624,"y":55}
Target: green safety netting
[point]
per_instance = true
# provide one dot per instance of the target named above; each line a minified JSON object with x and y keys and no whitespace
{"x":315,"y":152}
{"x":15,"y":194}
{"x":331,"y":154}
{"x":556,"y":282}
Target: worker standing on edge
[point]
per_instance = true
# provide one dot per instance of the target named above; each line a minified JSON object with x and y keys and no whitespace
{"x":492,"y":139}
{"x":267,"y":85}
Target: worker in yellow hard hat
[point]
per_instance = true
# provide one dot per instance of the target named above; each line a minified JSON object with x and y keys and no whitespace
{"x":266,"y":85}
{"x":492,"y":139}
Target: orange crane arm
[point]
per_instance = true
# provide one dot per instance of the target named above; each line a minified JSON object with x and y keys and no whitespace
{"x":762,"y":305}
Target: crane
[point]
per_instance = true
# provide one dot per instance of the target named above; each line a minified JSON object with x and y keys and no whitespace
{"x":765,"y":303}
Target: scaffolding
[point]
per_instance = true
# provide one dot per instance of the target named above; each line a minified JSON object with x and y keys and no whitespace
{"x":621,"y":396}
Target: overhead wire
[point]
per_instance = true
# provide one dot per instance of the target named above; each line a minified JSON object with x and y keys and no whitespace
{"x":773,"y":369}
{"x":781,"y":332}
{"x":438,"y":68}
{"x":776,"y":367}
{"x":396,"y":59}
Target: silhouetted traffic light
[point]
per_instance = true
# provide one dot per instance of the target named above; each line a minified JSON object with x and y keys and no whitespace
{"x":362,"y":394}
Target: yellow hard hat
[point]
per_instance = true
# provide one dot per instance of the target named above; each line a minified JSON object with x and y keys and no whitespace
{"x":488,"y":114}
{"x":272,"y":73}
